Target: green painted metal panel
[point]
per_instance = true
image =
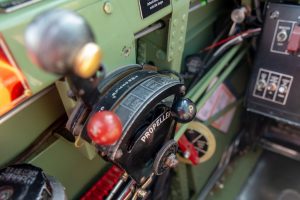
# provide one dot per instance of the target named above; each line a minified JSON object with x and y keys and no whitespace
{"x":12,"y":27}
{"x":237,"y":174}
{"x":63,"y":161}
{"x":19,"y":131}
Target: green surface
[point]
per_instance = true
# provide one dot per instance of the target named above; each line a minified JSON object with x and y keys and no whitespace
{"x":23,"y":128}
{"x":198,"y":175}
{"x":12,"y":27}
{"x":236,"y":175}
{"x":114,"y":32}
{"x":153,"y":47}
{"x":70,"y":167}
{"x":199,"y":89}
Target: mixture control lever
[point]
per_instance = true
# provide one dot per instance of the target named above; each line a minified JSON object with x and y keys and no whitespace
{"x":62,"y":42}
{"x":69,"y":45}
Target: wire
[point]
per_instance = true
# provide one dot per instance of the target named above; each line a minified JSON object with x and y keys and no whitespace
{"x":219,"y":36}
{"x":238,"y":39}
{"x":258,"y":10}
{"x":219,"y":43}
{"x":226,"y":45}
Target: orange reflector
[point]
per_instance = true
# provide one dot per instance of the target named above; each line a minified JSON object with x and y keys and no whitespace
{"x":12,"y":82}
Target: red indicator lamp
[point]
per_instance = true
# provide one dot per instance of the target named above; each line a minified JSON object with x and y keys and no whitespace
{"x":12,"y":81}
{"x":104,"y":128}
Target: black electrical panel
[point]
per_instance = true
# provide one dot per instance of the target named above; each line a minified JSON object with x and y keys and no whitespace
{"x":275,"y":82}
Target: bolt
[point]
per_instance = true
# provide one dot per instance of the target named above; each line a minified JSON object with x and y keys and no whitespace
{"x":186,"y":154}
{"x":220,"y":185}
{"x":171,"y":161}
{"x":182,"y":90}
{"x":107,"y":7}
{"x":27,"y":93}
{"x":81,"y":92}
{"x":141,"y":193}
{"x":103,"y":154}
{"x":274,"y":14}
{"x":6,"y":192}
{"x":126,"y":51}
{"x":119,"y":154}
{"x":143,"y":179}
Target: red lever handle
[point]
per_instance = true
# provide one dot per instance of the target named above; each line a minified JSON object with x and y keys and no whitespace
{"x":185,"y":146}
{"x":104,"y":128}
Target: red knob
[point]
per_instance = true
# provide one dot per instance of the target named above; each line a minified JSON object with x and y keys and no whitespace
{"x":104,"y":128}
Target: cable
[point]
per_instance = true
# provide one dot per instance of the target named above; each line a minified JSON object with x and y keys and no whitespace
{"x":238,"y":39}
{"x":235,"y":40}
{"x":258,"y":11}
{"x":219,"y":36}
{"x":219,"y":43}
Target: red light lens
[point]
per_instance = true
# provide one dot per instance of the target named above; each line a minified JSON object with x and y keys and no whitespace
{"x":12,"y":81}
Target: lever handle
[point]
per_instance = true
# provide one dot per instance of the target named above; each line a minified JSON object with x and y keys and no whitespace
{"x":183,"y":110}
{"x":104,"y":128}
{"x":61,"y":41}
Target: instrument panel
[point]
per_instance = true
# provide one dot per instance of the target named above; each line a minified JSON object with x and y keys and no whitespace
{"x":275,"y":80}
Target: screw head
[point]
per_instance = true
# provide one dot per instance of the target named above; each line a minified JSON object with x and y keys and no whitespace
{"x":274,"y":14}
{"x":107,"y":7}
{"x":171,"y":161}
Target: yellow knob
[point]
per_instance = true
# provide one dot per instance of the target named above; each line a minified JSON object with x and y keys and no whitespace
{"x":87,"y":61}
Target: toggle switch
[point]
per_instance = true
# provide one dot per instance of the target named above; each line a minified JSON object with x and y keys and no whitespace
{"x":282,"y":89}
{"x":272,"y":87}
{"x":261,"y":85}
{"x":294,"y":41}
{"x":282,"y":36}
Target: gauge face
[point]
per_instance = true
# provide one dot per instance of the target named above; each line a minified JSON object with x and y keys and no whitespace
{"x":202,"y":139}
{"x":198,"y":140}
{"x":193,"y":63}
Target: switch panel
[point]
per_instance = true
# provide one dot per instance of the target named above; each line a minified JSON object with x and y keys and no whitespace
{"x":272,"y":86}
{"x":281,"y":36}
{"x":275,"y":82}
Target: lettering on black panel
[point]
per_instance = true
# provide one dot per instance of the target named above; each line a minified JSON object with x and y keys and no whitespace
{"x":149,"y":7}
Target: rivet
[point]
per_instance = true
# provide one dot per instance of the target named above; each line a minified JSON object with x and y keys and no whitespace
{"x":126,"y":51}
{"x":175,"y":22}
{"x":160,"y":55}
{"x":182,"y":28}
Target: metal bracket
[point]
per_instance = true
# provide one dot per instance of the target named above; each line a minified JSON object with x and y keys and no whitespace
{"x":177,"y":32}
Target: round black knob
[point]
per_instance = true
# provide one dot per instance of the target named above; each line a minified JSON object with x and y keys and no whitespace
{"x":57,"y":40}
{"x":183,"y":110}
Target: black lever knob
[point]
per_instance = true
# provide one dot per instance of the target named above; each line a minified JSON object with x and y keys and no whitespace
{"x":61,"y":41}
{"x":183,"y":110}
